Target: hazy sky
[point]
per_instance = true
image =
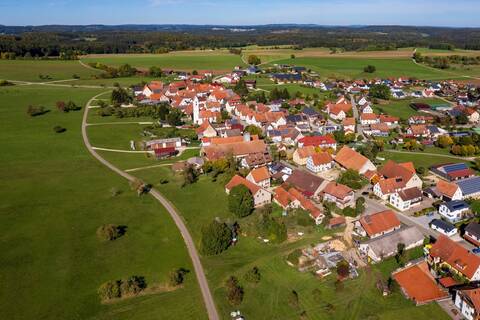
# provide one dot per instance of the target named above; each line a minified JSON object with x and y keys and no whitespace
{"x":459,"y":13}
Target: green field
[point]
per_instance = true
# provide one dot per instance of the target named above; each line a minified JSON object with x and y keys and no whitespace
{"x":352,"y":68}
{"x":55,"y":196}
{"x":402,"y":109}
{"x":29,"y":70}
{"x":202,"y":60}
{"x":419,"y":160}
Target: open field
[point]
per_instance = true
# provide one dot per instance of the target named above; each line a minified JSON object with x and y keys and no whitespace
{"x":402,"y":109}
{"x":191,"y":60}
{"x":55,"y":196}
{"x":419,"y":160}
{"x":352,"y":68}
{"x":29,"y":70}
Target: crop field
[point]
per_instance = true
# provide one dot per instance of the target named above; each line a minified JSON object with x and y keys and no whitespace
{"x":30,"y":70}
{"x":188,"y":61}
{"x":54,"y":197}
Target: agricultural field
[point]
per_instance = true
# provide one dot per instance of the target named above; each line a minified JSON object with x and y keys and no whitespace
{"x":189,"y":60}
{"x":55,"y":196}
{"x":419,"y":159}
{"x":352,"y":68}
{"x":30,"y":70}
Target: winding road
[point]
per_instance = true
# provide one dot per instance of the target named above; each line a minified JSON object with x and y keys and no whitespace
{"x":192,"y":251}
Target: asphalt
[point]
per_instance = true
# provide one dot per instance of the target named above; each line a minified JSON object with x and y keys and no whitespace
{"x":192,"y":251}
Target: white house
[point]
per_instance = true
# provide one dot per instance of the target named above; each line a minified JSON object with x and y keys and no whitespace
{"x":319,"y":162}
{"x":443,"y":227}
{"x":454,"y":211}
{"x":407,"y":198}
{"x":260,"y":177}
{"x":260,"y":196}
{"x":467,"y":300}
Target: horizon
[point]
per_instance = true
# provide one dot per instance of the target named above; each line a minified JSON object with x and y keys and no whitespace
{"x":429,"y":13}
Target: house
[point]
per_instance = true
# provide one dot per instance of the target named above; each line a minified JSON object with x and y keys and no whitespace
{"x":448,"y":253}
{"x":388,"y":120}
{"x":319,"y":162}
{"x":454,"y":211}
{"x":350,"y":159}
{"x":368,"y":119}
{"x":406,"y":198}
{"x":260,"y":196}
{"x":472,"y":233}
{"x":467,"y":300}
{"x":339,"y":194}
{"x":453,"y":171}
{"x":470,"y":187}
{"x":323,"y":142}
{"x":339,"y":110}
{"x":448,"y":190}
{"x":418,"y":131}
{"x":396,"y":177}
{"x":367,"y":108}
{"x":378,"y":224}
{"x":163,"y":143}
{"x":349,"y":125}
{"x":293,"y":199}
{"x":443,"y":227}
{"x":301,"y":155}
{"x":251,"y":153}
{"x":418,"y":284}
{"x":377,"y":130}
{"x":206,"y":130}
{"x":260,"y":176}
{"x":379,"y":248}
{"x":309,"y":184}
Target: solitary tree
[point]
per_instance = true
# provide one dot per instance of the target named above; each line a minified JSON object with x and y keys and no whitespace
{"x":369,"y":69}
{"x":234,"y":291}
{"x":216,"y":237}
{"x":253,"y":275}
{"x":254,"y":60}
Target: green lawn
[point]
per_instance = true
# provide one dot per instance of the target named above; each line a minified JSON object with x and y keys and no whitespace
{"x":353,"y":67}
{"x":29,"y":70}
{"x":54,"y":197}
{"x":419,"y":160}
{"x":202,"y":60}
{"x":402,"y":109}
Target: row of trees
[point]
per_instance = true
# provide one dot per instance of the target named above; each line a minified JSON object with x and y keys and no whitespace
{"x":122,"y":288}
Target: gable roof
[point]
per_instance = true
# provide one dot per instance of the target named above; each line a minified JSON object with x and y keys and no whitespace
{"x":469,"y":186}
{"x":350,"y":159}
{"x":238,"y":180}
{"x":321,"y":158}
{"x":306,"y":152}
{"x":391,"y":169}
{"x":455,"y":255}
{"x":474,"y":296}
{"x":410,"y":194}
{"x":308,"y":183}
{"x":260,"y":174}
{"x":446,"y":188}
{"x":419,"y":284}
{"x":317,"y":140}
{"x":337,"y":190}
{"x":379,"y":222}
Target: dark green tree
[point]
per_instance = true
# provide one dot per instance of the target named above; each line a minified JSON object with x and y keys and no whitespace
{"x":240,"y":201}
{"x":216,"y":238}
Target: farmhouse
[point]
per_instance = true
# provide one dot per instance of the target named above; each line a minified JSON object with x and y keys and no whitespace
{"x":350,"y":159}
{"x":448,"y":253}
{"x":260,"y":177}
{"x":261,"y":196}
{"x":468,"y":301}
{"x":301,"y":155}
{"x":339,"y":194}
{"x":319,"y":162}
{"x":323,"y":142}
{"x":406,"y":198}
{"x":377,"y":224}
{"x":310,"y":185}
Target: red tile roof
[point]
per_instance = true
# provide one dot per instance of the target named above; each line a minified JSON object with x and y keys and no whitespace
{"x":446,"y":188}
{"x":455,"y":255}
{"x":260,"y":174}
{"x":418,"y":283}
{"x":317,"y":141}
{"x":321,"y":158}
{"x":379,"y":222}
{"x":350,"y":159}
{"x":237,"y":180}
{"x":337,"y":190}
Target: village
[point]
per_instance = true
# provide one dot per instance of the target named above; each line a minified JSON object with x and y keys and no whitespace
{"x":297,"y":155}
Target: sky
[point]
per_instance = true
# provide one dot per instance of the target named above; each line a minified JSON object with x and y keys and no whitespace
{"x":454,"y":13}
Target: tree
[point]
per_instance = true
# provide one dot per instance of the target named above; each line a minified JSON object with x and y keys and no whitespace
{"x":132,"y":286}
{"x":401,"y":255}
{"x":120,"y":96}
{"x":174,"y":117}
{"x":477,"y":163}
{"x":359,"y":205}
{"x":253,"y":60}
{"x":155,"y":71}
{"x":177,"y":277}
{"x":253,"y":275}
{"x":241,"y":88}
{"x":351,"y":178}
{"x":343,"y":269}
{"x":444,"y":141}
{"x":59,"y":129}
{"x":240,"y":201}
{"x":216,"y":238}
{"x":234,"y":291}
{"x":109,"y":290}
{"x":253,"y":130}
{"x":369,"y":69}
{"x":34,"y":111}
{"x":293,"y":299}
{"x":109,"y":232}
{"x":190,"y":175}
{"x":380,"y":91}
{"x":60,"y":106}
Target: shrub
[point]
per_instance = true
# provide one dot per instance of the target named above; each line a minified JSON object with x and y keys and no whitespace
{"x":253,"y":275}
{"x":369,"y":69}
{"x":177,"y":277}
{"x":34,"y":111}
{"x":343,"y":269}
{"x":109,"y":232}
{"x":59,"y":129}
{"x":294,"y":256}
{"x":234,"y":291}
{"x":109,"y":290}
{"x":122,"y":288}
{"x":293,"y":299}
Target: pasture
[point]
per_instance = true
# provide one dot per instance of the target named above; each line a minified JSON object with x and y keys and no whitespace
{"x":30,"y":70}
{"x":55,"y":196}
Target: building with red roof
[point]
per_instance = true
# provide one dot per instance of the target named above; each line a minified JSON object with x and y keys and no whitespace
{"x":323,"y":142}
{"x":377,"y":224}
{"x":260,"y":196}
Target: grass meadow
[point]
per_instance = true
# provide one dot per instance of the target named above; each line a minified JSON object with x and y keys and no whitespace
{"x":54,"y":197}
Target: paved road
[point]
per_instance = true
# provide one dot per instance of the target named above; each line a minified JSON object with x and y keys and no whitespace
{"x":356,"y":116}
{"x":192,"y":251}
